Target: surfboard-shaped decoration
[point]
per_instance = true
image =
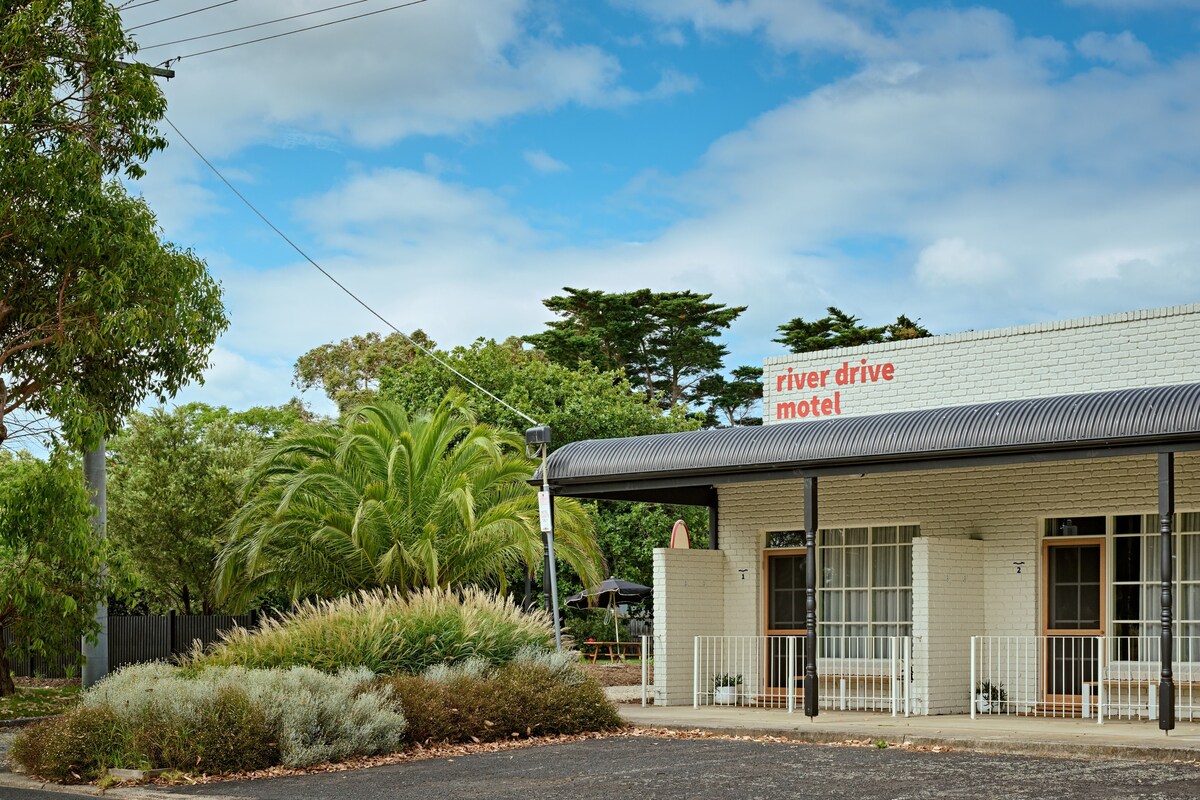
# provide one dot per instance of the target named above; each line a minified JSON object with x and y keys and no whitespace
{"x":679,"y":535}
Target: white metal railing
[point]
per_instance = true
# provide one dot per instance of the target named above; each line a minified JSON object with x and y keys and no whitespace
{"x":647,"y":673}
{"x":855,"y":673}
{"x":1080,"y":676}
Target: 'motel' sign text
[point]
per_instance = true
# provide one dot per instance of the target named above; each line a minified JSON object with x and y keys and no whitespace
{"x":827,"y":405}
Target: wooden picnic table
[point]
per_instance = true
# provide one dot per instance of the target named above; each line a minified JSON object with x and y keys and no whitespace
{"x":614,"y":650}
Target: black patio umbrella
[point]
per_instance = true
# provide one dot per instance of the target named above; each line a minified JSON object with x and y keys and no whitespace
{"x":610,"y":592}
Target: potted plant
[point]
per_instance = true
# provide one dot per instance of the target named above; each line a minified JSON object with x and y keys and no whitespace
{"x":725,"y":689}
{"x":989,"y":695}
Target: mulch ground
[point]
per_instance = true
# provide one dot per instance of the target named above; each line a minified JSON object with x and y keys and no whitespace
{"x":617,"y":674}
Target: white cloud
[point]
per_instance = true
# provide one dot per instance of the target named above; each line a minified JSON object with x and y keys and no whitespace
{"x":958,"y":176}
{"x":431,"y":69}
{"x":950,"y":262}
{"x":543,"y":162}
{"x":784,"y":23}
{"x":1122,"y":49}
{"x":1136,"y":5}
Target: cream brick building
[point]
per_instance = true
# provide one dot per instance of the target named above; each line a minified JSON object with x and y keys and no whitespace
{"x":979,"y":493}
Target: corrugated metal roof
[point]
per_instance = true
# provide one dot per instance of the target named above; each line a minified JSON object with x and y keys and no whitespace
{"x":1122,"y":418}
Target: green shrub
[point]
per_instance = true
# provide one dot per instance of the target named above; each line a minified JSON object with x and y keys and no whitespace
{"x":224,"y":732}
{"x":215,"y":721}
{"x":387,"y":633}
{"x":73,"y":747}
{"x":535,"y":694}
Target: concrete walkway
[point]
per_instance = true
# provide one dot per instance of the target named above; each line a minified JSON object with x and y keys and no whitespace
{"x":994,"y":734}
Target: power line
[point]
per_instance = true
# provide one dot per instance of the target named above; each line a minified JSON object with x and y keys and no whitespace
{"x":341,"y":285}
{"x":127,"y":7}
{"x":298,"y":30}
{"x":177,"y":16}
{"x":248,"y":27}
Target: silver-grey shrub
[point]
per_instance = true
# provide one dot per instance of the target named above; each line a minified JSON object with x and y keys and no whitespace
{"x":315,"y":716}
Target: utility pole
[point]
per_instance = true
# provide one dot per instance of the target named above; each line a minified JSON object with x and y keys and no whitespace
{"x":538,"y":440}
{"x":95,"y":656}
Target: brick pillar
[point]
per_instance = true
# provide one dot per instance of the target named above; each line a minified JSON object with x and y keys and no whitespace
{"x":689,"y":590}
{"x":948,"y":609}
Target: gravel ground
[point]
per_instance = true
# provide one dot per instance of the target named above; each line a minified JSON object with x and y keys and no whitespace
{"x":6,"y":737}
{"x":671,"y":769}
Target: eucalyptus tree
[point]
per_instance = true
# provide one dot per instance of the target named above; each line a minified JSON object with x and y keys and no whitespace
{"x":96,"y":311}
{"x":385,"y":498}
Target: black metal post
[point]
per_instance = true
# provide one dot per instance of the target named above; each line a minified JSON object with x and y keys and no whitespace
{"x":811,"y":704}
{"x":713,"y":541}
{"x":171,"y":633}
{"x":1166,"y":512}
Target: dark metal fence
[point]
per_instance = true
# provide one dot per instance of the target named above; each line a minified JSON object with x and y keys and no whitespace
{"x":131,"y":640}
{"x":29,"y":665}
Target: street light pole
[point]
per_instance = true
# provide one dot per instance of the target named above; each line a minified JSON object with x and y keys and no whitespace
{"x":539,"y":438}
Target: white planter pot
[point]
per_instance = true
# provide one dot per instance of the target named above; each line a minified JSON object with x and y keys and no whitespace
{"x":982,"y":704}
{"x":725,"y":695}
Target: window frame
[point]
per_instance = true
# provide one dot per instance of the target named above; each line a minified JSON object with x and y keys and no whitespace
{"x":903,"y":624}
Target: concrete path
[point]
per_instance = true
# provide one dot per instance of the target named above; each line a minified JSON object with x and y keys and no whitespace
{"x":1019,"y":735}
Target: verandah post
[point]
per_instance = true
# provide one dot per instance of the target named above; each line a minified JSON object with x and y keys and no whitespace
{"x":811,"y":704}
{"x":1166,"y":511}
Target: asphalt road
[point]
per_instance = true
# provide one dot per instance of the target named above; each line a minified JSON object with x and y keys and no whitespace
{"x":671,"y":769}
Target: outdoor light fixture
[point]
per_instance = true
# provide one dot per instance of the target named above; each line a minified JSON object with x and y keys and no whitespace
{"x":536,"y":438}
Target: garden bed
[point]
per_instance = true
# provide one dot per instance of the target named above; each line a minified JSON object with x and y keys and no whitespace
{"x":395,"y":675}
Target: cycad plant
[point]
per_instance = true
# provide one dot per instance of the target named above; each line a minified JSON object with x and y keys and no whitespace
{"x":388,"y":499}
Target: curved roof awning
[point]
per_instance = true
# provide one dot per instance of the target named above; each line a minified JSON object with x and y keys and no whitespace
{"x":685,"y":467}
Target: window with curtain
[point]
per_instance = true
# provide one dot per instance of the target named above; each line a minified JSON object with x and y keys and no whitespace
{"x":865,"y":588}
{"x":1136,"y":587}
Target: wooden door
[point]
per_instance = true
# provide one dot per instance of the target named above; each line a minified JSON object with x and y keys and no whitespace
{"x":785,"y":608}
{"x":1074,"y":616}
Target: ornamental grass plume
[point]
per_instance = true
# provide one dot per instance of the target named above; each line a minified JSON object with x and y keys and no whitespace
{"x":388,"y":633}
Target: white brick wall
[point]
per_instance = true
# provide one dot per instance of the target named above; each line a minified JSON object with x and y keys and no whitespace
{"x":688,"y":600}
{"x":949,"y":591}
{"x":974,"y":524}
{"x":1159,"y":347}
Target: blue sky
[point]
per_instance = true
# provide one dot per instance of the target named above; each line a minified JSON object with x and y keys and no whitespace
{"x":459,"y":160}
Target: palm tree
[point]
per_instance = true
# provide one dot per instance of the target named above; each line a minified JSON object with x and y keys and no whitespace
{"x":385,"y":499}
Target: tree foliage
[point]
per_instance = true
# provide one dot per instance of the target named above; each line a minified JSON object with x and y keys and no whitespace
{"x":50,"y":565}
{"x":174,"y":483}
{"x":629,"y":532}
{"x":839,"y":329}
{"x":385,"y":498}
{"x":577,"y":404}
{"x":349,"y":371}
{"x":95,"y":311}
{"x":666,"y":342}
{"x":734,"y":398}
{"x":265,"y":422}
